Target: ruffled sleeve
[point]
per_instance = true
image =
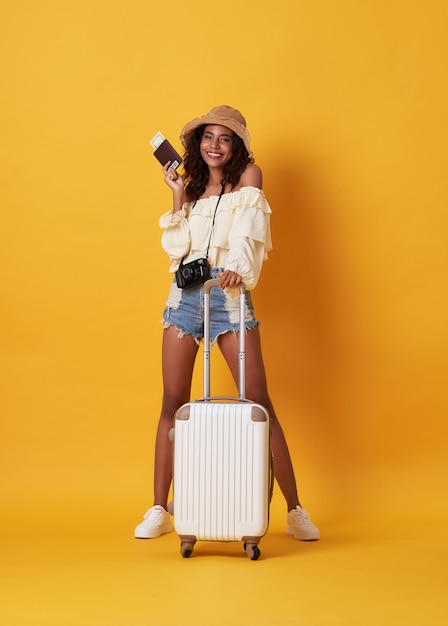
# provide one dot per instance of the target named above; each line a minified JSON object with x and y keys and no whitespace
{"x":176,"y":235}
{"x":249,"y":237}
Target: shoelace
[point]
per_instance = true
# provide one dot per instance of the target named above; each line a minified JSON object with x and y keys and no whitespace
{"x":301,"y":514}
{"x":154,"y":513}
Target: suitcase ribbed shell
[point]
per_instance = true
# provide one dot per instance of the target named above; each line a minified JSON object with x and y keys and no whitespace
{"x":221,"y":470}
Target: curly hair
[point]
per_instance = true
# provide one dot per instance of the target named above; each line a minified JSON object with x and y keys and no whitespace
{"x":196,"y":170}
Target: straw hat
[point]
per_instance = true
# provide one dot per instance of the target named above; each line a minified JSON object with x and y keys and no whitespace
{"x":224,"y":116}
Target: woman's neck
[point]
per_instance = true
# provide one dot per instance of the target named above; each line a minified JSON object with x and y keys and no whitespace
{"x":213,"y":190}
{"x":214,"y":179}
{"x":214,"y":184}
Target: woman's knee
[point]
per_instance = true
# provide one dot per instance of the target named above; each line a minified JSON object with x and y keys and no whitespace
{"x":260,"y":396}
{"x":170,"y":404}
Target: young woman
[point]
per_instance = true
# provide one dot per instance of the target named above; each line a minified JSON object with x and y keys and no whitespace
{"x":219,"y":207}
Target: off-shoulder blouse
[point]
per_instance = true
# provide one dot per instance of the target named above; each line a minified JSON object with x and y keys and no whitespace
{"x":241,"y":237}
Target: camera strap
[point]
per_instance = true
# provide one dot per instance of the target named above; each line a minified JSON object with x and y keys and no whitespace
{"x":213,"y":222}
{"x":214,"y":216}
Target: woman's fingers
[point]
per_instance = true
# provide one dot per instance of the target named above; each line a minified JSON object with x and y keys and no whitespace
{"x":229,"y":279}
{"x":172,"y":178}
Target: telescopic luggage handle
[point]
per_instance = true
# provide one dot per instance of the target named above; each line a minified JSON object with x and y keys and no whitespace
{"x":214,"y":282}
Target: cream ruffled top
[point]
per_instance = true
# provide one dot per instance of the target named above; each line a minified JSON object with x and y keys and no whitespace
{"x":241,"y":237}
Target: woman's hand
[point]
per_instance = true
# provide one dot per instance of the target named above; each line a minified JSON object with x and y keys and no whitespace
{"x":176,"y":183}
{"x":174,"y":180}
{"x":229,"y":279}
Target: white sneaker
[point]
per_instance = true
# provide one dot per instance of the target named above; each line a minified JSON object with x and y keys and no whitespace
{"x":300,"y":525}
{"x":156,"y":522}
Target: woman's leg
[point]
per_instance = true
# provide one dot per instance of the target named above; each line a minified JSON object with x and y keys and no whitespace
{"x":256,"y":390}
{"x":178,"y":358}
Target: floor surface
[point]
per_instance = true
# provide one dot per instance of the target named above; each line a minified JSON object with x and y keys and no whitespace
{"x":369,"y":572}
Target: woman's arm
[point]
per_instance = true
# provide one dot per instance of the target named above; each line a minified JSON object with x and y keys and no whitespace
{"x":176,"y":233}
{"x":248,"y":240}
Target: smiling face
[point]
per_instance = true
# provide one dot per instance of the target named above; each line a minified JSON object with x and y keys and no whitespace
{"x":216,"y":145}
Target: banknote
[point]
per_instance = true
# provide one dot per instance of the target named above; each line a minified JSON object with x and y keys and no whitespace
{"x":157,"y":140}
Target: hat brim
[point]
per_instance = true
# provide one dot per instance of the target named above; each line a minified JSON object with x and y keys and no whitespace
{"x":210,"y":118}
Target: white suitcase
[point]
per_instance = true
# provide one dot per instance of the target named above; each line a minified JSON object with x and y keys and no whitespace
{"x":222,"y":471}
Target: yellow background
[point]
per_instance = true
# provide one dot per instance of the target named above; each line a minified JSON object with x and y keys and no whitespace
{"x":346,"y":103}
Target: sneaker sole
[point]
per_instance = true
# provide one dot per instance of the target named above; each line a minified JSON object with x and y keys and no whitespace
{"x":154,"y":535}
{"x":304,"y":536}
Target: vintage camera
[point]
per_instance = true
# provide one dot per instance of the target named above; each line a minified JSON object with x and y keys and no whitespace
{"x":193,"y":273}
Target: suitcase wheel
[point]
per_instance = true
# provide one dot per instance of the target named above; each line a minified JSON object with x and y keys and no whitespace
{"x":186,"y":549}
{"x":252,"y":551}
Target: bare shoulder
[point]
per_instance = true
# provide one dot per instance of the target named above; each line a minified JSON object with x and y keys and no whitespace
{"x":252,"y":176}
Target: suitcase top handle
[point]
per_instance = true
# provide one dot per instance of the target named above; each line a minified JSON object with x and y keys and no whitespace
{"x":214,"y":282}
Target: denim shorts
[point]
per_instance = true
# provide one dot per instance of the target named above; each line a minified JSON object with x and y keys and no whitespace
{"x":185,"y":310}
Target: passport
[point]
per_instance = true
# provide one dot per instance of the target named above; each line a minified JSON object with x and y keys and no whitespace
{"x":164,"y":151}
